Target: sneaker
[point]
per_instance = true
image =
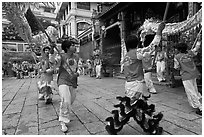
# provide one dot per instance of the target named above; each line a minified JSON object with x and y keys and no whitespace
{"x":41,"y":97}
{"x":199,"y":112}
{"x":63,"y":127}
{"x":160,"y":80}
{"x":48,"y":101}
{"x":153,"y":91}
{"x":64,"y":120}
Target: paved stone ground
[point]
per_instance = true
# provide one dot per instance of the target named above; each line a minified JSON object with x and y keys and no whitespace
{"x":23,"y":114}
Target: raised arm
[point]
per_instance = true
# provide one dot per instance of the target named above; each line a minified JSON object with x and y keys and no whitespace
{"x":176,"y":64}
{"x":197,"y":47}
{"x":155,"y":42}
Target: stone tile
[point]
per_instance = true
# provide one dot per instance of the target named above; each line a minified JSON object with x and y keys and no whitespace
{"x":105,"y":104}
{"x":4,"y":108}
{"x":29,"y":102}
{"x":47,"y":111}
{"x":78,"y":132}
{"x":86,"y":116}
{"x":174,"y":129}
{"x":136,"y":126}
{"x":100,"y":112}
{"x":10,"y":120}
{"x":95,"y":127}
{"x":75,"y":125}
{"x":9,"y":131}
{"x":128,"y":130}
{"x":25,"y":130}
{"x":51,"y":131}
{"x":27,"y":110}
{"x":113,"y":100}
{"x":47,"y":119}
{"x":185,"y":124}
{"x":184,"y":115}
{"x":103,"y":133}
{"x":29,"y":120}
{"x":41,"y":104}
{"x":199,"y":121}
{"x":73,"y":117}
{"x":8,"y":97}
{"x":77,"y":107}
{"x":20,"y":95}
{"x":87,"y":95}
{"x":13,"y":109}
{"x":49,"y":124}
{"x":162,"y":108}
{"x":5,"y":103}
{"x":177,"y":106}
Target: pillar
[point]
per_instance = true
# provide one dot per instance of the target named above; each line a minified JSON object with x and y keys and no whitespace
{"x":122,"y":36}
{"x":61,"y":30}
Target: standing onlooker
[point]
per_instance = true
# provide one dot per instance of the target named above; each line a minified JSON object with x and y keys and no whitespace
{"x":184,"y":61}
{"x":98,"y":64}
{"x":89,"y":65}
{"x":80,"y":66}
{"x":133,"y":69}
{"x":19,"y":71}
{"x":30,"y":70}
{"x":5,"y":69}
{"x":160,"y":63}
{"x":93,"y":68}
{"x":14,"y":68}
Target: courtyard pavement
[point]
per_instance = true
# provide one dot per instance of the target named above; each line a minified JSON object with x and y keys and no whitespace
{"x":24,"y":114}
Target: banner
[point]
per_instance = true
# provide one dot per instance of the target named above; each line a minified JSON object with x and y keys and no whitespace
{"x":150,"y":26}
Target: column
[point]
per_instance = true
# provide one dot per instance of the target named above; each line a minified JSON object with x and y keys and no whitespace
{"x":74,"y":27}
{"x":61,"y":30}
{"x":122,"y":37}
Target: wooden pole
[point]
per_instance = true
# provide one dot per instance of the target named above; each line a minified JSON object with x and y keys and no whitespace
{"x":49,"y":39}
{"x":196,"y":38}
{"x":166,"y":11}
{"x":164,"y":19}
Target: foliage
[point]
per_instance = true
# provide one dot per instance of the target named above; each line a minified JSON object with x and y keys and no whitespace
{"x":10,"y":33}
{"x":15,"y":11}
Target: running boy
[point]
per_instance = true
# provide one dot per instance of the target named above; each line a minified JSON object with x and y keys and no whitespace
{"x":184,"y":62}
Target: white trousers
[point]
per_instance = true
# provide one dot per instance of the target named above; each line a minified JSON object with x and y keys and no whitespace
{"x":192,"y":93}
{"x":134,"y":89}
{"x":160,"y":70}
{"x":148,"y":81}
{"x":98,"y":70}
{"x":67,"y":97}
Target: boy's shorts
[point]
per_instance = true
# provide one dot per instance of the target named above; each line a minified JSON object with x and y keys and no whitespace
{"x":134,"y":89}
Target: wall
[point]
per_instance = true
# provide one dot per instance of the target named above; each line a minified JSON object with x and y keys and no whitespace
{"x":112,"y":46}
{"x":86,"y":51}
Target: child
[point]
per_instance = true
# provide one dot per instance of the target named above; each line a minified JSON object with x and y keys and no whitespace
{"x":188,"y":71}
{"x":46,"y":75}
{"x":132,"y":62}
{"x":89,"y":64}
{"x":98,"y":64}
{"x":67,"y":66}
{"x":147,"y":65}
{"x":160,"y":60}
